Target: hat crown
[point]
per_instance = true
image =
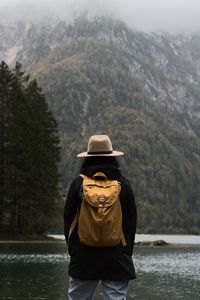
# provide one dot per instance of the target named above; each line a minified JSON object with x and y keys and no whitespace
{"x":99,"y":144}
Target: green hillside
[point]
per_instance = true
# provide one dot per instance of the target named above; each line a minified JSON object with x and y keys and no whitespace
{"x":91,"y":88}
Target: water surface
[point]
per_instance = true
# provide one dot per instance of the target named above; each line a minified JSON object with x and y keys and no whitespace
{"x":39,"y":271}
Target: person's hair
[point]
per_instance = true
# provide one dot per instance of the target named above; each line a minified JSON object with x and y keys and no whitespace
{"x":90,"y":161}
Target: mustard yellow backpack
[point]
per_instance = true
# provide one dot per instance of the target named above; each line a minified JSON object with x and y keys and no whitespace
{"x":100,"y":216}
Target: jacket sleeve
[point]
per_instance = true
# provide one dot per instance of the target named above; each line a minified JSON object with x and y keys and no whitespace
{"x":71,"y":205}
{"x":129,"y":211}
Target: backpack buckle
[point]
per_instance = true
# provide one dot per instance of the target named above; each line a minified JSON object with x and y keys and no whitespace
{"x":101,"y":199}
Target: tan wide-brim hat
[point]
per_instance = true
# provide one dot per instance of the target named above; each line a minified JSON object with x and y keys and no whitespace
{"x":100,"y":145}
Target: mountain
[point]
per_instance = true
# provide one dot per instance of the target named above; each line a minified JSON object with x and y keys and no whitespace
{"x":141,"y":89}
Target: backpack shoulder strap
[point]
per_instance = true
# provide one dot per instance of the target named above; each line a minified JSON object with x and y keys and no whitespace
{"x":73,"y":225}
{"x":75,"y":220}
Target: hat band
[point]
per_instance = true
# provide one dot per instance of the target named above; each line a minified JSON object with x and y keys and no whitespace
{"x":100,"y":152}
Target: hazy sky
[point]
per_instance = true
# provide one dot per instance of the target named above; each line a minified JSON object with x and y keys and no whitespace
{"x":148,"y":15}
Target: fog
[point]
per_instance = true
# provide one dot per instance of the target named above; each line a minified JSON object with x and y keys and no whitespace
{"x":148,"y":15}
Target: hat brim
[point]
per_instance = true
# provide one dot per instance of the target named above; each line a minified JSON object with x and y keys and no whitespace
{"x":114,"y":153}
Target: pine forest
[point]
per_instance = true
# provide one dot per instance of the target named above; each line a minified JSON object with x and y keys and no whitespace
{"x":29,"y":156}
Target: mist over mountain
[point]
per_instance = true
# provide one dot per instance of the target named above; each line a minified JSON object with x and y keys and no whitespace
{"x":142,"y":89}
{"x":36,"y":11}
{"x":172,"y":16}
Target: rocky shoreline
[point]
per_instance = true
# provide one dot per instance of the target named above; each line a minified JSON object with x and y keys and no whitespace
{"x":152,"y":243}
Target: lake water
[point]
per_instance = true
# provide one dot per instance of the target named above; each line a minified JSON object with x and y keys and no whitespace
{"x":39,"y":271}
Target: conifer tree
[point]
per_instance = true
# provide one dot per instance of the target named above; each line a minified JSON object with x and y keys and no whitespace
{"x":6,"y":78}
{"x":29,"y":176}
{"x":44,"y":153}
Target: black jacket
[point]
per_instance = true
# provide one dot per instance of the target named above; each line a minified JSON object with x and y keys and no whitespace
{"x":106,"y":263}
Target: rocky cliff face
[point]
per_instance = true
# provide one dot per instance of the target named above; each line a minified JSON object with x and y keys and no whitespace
{"x":168,"y":67}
